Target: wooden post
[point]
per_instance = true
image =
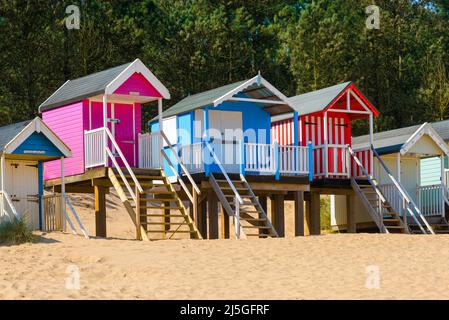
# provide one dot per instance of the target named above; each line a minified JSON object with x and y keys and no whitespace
{"x":224,"y":223}
{"x":212,"y":202}
{"x":100,"y":211}
{"x":307,"y":226}
{"x":202,"y":218}
{"x":315,"y":218}
{"x":63,"y":200}
{"x":138,"y":217}
{"x":299,"y":213}
{"x":277,"y":214}
{"x":351,"y":223}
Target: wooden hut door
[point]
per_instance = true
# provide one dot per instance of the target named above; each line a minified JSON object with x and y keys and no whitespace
{"x":226,"y":146}
{"x":22,"y":187}
{"x":123,"y":128}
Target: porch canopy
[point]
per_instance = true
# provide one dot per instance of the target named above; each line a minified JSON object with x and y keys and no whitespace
{"x":421,"y":141}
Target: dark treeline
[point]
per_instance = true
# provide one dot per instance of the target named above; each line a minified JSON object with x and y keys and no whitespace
{"x":195,"y":45}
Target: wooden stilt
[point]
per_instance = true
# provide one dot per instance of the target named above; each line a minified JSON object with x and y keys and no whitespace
{"x":315,"y":219}
{"x":202,"y":218}
{"x":350,"y":214}
{"x":224,"y":223}
{"x":307,"y":218}
{"x":212,"y":203}
{"x":100,"y":211}
{"x":277,"y":214}
{"x":299,"y":213}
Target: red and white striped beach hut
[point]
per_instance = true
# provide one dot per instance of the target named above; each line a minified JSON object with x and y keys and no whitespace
{"x":323,"y":118}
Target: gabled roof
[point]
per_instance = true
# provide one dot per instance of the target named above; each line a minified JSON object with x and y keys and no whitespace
{"x":318,"y":100}
{"x":400,"y":140}
{"x":105,"y":81}
{"x":7,"y":133}
{"x":199,"y":100}
{"x":324,"y":99}
{"x":13,"y":135}
{"x":254,"y":88}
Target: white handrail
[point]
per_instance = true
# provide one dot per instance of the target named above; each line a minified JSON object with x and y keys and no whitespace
{"x":125,"y":162}
{"x":184,"y":169}
{"x":218,"y":163}
{"x":411,"y":206}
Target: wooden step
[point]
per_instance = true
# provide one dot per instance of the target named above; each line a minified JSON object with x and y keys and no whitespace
{"x":165,"y":223}
{"x":159,"y":192}
{"x":394,"y":227}
{"x":140,"y":177}
{"x":159,"y":207}
{"x":264,"y":235}
{"x":162,"y":215}
{"x":256,"y":227}
{"x":170,"y":231}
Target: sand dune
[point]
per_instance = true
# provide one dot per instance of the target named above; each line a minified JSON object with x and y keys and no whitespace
{"x":322,"y":267}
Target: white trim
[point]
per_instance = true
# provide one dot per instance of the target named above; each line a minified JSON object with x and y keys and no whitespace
{"x":37,"y":125}
{"x":113,"y":124}
{"x":256,"y":100}
{"x":90,"y":114}
{"x":139,"y":67}
{"x":361,"y":102}
{"x":134,"y":135}
{"x":425,"y":128}
{"x":349,"y":111}
{"x":246,"y":84}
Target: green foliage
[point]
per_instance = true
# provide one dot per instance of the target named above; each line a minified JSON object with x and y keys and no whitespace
{"x":325,"y":213}
{"x":15,"y":232}
{"x":195,"y":45}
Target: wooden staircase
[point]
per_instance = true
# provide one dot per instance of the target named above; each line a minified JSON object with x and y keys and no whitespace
{"x":385,"y":217}
{"x":162,"y":214}
{"x":253,"y":219}
{"x":439,"y":225}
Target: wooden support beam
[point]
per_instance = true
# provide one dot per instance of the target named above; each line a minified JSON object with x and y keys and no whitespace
{"x":100,"y":211}
{"x":277,"y":214}
{"x":224,"y":224}
{"x":350,"y":215}
{"x":299,"y":213}
{"x":212,"y":203}
{"x":167,"y":216}
{"x":315,"y":218}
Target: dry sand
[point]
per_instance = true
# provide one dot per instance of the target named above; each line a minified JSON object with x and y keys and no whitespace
{"x":321,"y":267}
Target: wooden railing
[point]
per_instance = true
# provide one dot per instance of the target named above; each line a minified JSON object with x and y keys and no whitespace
{"x":293,"y":160}
{"x":394,"y":197}
{"x":52,"y":219}
{"x":260,"y":158}
{"x":192,"y":157}
{"x":94,"y":148}
{"x":150,"y":145}
{"x":338,"y":160}
{"x":365,"y":156}
{"x":431,"y":199}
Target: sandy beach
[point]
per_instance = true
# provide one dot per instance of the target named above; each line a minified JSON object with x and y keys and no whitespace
{"x":334,"y":266}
